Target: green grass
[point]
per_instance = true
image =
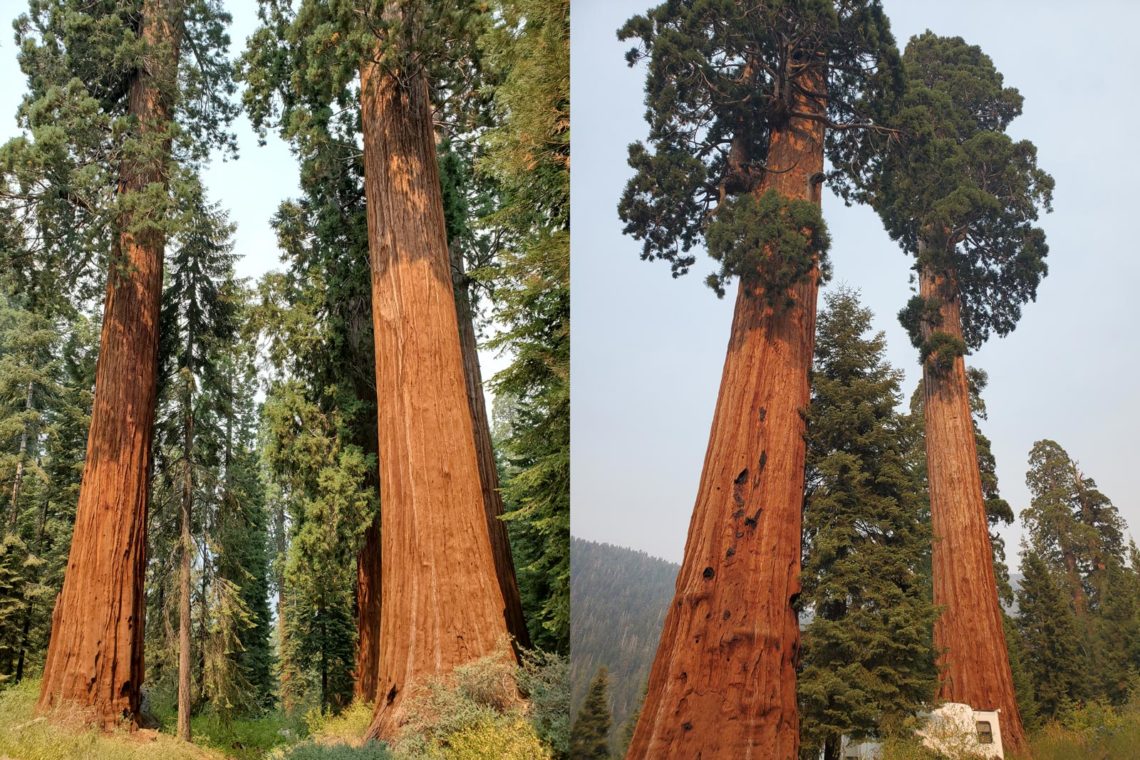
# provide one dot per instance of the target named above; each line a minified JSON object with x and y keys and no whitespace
{"x":26,"y":737}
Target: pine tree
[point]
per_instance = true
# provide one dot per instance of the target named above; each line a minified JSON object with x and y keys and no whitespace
{"x":107,"y":86}
{"x":742,"y":98}
{"x":590,"y":735}
{"x":867,"y":663}
{"x":961,"y":197}
{"x":1049,"y":630}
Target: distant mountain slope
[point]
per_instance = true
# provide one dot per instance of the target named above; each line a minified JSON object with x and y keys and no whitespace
{"x":618,"y":597}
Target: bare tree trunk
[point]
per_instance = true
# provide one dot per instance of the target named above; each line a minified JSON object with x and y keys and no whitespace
{"x":368,"y":570}
{"x":187,"y":543}
{"x":969,"y":633}
{"x":723,"y":683}
{"x":442,"y":604}
{"x":18,"y":480}
{"x":95,"y":657}
{"x":488,"y":471}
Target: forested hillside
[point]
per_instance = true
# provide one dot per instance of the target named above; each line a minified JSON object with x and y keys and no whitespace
{"x":619,"y":598}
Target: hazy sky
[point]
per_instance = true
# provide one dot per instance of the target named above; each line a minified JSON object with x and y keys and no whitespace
{"x":648,"y":350}
{"x":250,"y":188}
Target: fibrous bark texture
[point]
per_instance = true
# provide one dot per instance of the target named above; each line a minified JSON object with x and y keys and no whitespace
{"x":969,"y":633}
{"x":95,"y":657}
{"x":368,"y":571}
{"x":488,"y":471}
{"x":442,"y":604}
{"x":723,"y":683}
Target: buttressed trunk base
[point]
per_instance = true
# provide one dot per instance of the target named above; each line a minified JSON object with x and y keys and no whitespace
{"x":969,"y":632}
{"x":723,"y":683}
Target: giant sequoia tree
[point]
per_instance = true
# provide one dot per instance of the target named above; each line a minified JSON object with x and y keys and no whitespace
{"x":108,"y":85}
{"x":742,"y":98}
{"x":449,"y":590}
{"x":962,"y":197}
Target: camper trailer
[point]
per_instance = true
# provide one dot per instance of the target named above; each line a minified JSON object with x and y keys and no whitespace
{"x":954,"y":730}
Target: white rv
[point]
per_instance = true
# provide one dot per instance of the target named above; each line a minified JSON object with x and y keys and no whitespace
{"x":954,"y":730}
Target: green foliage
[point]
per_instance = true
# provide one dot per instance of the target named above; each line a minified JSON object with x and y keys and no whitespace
{"x":527,"y":157}
{"x":867,"y":663}
{"x":25,"y":736}
{"x":620,"y":598}
{"x":953,"y":188}
{"x":721,"y":78}
{"x":468,"y":713}
{"x":314,"y":751}
{"x":590,"y":734}
{"x":1048,"y":627}
{"x":770,"y":242}
{"x":941,"y":350}
{"x":544,"y":681}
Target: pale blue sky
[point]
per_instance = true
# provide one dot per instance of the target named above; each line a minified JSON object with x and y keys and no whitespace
{"x":648,"y":349}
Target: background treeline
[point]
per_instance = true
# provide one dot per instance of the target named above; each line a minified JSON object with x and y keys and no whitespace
{"x":868,"y":661}
{"x":263,"y":483}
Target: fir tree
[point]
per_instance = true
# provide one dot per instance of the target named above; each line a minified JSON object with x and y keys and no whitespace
{"x":867,"y":663}
{"x":1056,"y":663}
{"x":590,"y":735}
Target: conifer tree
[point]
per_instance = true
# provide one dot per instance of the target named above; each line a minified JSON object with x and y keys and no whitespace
{"x":742,"y":98}
{"x":1056,"y":665}
{"x":590,"y":735}
{"x":962,"y":198}
{"x":528,"y":157}
{"x":410,"y":57}
{"x":197,"y":326}
{"x":1073,"y":527}
{"x":108,"y":86}
{"x":867,"y":663}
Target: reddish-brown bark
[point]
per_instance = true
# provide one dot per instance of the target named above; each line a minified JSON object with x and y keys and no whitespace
{"x":442,"y":604}
{"x":368,"y":569}
{"x":969,"y":632}
{"x":723,"y":683}
{"x":95,"y":657}
{"x":488,"y":472}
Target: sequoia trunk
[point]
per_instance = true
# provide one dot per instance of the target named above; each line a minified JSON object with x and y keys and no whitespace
{"x":488,"y":471}
{"x":969,"y":634}
{"x":723,"y":683}
{"x":95,"y":657}
{"x":368,"y":569}
{"x":442,"y":604}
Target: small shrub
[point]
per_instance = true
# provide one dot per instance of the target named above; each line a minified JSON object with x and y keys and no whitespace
{"x":310,"y":750}
{"x":348,"y":726}
{"x":505,"y":740}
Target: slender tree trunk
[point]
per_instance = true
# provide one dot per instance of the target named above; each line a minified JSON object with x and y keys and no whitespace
{"x":95,"y":657}
{"x":831,"y":747}
{"x":723,"y":683}
{"x":187,"y":543}
{"x":969,"y":634}
{"x":488,"y":471}
{"x":442,"y":604}
{"x":18,"y":480}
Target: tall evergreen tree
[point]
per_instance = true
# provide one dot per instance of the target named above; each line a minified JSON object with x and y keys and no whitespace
{"x":962,"y":198}
{"x":742,"y":98}
{"x":1056,"y":665}
{"x":590,"y":734}
{"x":867,"y":662}
{"x":528,"y":156}
{"x":107,"y":84}
{"x":409,"y":57}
